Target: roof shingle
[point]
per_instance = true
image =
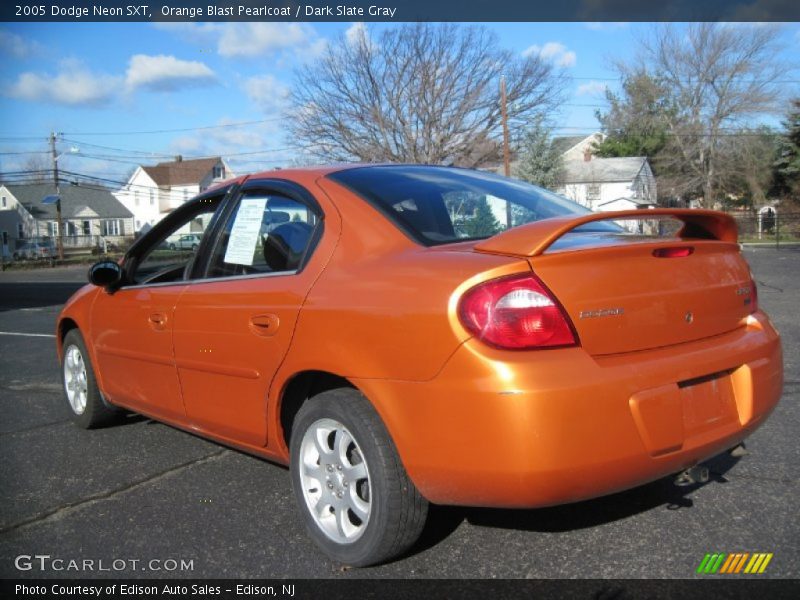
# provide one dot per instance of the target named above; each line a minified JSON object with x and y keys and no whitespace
{"x":603,"y":170}
{"x":181,"y":172}
{"x":74,"y":199}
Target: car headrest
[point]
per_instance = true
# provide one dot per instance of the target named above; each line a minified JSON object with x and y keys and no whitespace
{"x":284,"y":245}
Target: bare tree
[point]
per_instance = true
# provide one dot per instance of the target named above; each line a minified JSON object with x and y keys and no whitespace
{"x":716,"y":76}
{"x":419,"y":93}
{"x":37,"y":169}
{"x":747,"y":170}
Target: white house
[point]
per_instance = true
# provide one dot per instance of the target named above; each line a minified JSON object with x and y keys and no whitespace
{"x":152,"y":192}
{"x":600,"y":184}
{"x":605,"y":184}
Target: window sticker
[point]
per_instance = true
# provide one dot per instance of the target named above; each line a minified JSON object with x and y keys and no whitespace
{"x":244,"y":234}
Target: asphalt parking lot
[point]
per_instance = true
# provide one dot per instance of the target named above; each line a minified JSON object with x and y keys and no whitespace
{"x":142,"y":491}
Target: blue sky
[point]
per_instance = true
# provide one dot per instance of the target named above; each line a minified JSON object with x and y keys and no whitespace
{"x":116,"y":78}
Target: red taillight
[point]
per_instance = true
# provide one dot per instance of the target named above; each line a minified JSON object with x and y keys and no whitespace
{"x":515,"y":312}
{"x":753,"y":296}
{"x":674,"y":252}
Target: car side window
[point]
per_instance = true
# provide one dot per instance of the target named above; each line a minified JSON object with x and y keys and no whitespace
{"x":265,"y":233}
{"x":171,"y":252}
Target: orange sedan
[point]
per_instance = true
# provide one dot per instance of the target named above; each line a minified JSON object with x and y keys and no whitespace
{"x":400,"y":335}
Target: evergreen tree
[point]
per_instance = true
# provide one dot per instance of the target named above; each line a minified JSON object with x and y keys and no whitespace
{"x":539,"y":162}
{"x":635,"y":123}
{"x":483,"y":222}
{"x":787,"y":165}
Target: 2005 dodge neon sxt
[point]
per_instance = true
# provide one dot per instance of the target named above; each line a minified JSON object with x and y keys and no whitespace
{"x":400,"y":335}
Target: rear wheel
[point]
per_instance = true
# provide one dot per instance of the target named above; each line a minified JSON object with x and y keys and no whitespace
{"x":354,"y":495}
{"x":87,"y":406}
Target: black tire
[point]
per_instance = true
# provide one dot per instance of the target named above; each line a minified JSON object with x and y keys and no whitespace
{"x":194,"y":247}
{"x":97,"y":412}
{"x":397,"y":511}
{"x":172,"y":247}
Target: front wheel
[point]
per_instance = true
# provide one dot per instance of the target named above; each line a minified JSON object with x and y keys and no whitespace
{"x":87,"y":406}
{"x":354,"y":494}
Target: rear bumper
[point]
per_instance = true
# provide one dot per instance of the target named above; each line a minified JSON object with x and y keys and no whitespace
{"x":527,"y":429}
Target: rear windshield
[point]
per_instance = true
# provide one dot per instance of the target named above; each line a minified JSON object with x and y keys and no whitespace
{"x":439,"y":205}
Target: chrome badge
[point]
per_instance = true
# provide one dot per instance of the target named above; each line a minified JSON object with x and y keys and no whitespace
{"x":601,"y":312}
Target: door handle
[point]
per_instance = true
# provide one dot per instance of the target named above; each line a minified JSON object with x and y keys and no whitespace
{"x":158,"y":321}
{"x":265,"y":325}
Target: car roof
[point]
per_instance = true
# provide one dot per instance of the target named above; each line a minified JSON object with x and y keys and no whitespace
{"x":312,"y":170}
{"x":323,"y":170}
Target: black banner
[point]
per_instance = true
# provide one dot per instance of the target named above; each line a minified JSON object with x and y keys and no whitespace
{"x":399,"y":10}
{"x":411,"y":589}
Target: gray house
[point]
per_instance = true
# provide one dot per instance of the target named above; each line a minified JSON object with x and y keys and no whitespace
{"x":90,"y":216}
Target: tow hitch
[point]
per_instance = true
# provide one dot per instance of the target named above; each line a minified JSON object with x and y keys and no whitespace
{"x":695,"y":474}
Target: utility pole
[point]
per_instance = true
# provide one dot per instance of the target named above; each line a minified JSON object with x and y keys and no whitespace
{"x":506,"y":151}
{"x":60,"y":238}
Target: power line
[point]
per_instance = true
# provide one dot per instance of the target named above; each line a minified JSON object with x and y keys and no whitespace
{"x":184,"y":129}
{"x":24,"y":152}
{"x":129,"y":150}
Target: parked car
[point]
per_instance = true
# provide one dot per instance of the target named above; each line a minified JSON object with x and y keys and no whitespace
{"x":548,"y":357}
{"x":189,"y":241}
{"x":34,"y":251}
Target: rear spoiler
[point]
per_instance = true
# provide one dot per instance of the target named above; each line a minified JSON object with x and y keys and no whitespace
{"x":532,"y":239}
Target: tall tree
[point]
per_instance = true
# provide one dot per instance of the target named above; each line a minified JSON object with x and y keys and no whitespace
{"x":714,"y":76}
{"x":717,"y":75}
{"x":747,"y":169}
{"x":37,"y":169}
{"x":483,"y":222}
{"x":538,"y":161}
{"x":635,"y":123}
{"x":420,"y":92}
{"x":787,"y":164}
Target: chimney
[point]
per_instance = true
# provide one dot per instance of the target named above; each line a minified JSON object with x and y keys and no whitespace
{"x":587,"y":155}
{"x":178,"y":158}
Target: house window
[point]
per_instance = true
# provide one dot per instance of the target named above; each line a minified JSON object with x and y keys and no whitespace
{"x":5,"y":202}
{"x":593,"y":192}
{"x":111,"y":227}
{"x":185,"y":194}
{"x":71,"y":229}
{"x":152,"y":197}
{"x":20,"y":231}
{"x":219,"y":172}
{"x":52,"y":228}
{"x":136,"y":197}
{"x":5,"y":236}
{"x":87,"y":228}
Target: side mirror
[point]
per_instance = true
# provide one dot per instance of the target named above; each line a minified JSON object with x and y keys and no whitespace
{"x":105,"y":273}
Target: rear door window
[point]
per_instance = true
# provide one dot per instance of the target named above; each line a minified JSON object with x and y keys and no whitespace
{"x":265,"y":233}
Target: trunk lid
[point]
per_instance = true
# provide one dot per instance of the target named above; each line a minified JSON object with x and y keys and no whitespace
{"x":626,"y":293}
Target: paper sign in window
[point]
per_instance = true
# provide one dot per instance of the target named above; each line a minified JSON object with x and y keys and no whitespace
{"x":244,"y":234}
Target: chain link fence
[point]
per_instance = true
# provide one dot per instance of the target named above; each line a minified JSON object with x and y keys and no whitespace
{"x":769,"y":228}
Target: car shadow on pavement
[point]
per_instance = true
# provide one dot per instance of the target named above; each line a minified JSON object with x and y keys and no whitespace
{"x":444,"y":520}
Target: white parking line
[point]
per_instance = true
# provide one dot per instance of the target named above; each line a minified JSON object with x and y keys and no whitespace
{"x":47,"y":335}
